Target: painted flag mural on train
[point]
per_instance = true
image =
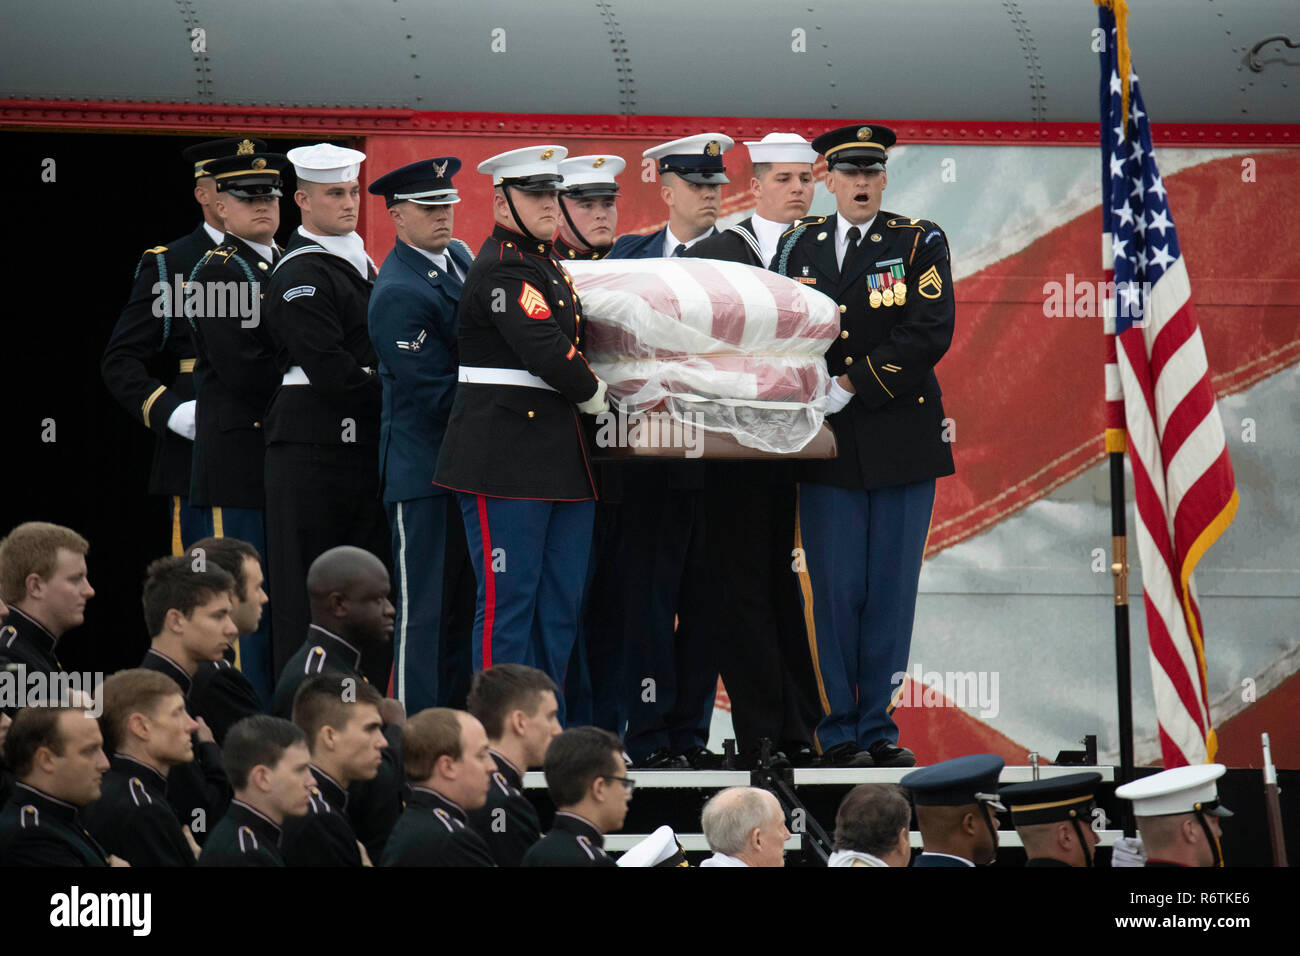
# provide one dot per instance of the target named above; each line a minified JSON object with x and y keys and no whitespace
{"x":1160,"y":404}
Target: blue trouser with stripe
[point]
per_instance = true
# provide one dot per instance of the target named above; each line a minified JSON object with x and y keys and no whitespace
{"x":863,"y":551}
{"x":431,"y":632}
{"x":530,"y":558}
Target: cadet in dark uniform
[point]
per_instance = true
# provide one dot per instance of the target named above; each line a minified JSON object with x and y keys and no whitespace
{"x":1054,"y":818}
{"x":412,"y":324}
{"x":956,"y":810}
{"x":41,"y":611}
{"x":269,"y":767}
{"x":588,"y":783}
{"x":518,"y":708}
{"x":864,"y":517}
{"x":757,"y":632}
{"x":449,"y":766}
{"x":662,"y":563}
{"x":148,"y":732}
{"x":515,"y":451}
{"x":322,"y":487}
{"x":235,"y":373}
{"x":58,"y":756}
{"x":144,"y":341}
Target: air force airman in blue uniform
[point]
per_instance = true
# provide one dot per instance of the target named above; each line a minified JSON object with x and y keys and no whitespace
{"x":515,"y":450}
{"x":413,"y":329}
{"x":863,"y":518}
{"x":956,"y":810}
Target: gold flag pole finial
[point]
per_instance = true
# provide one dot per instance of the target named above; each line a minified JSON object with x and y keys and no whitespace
{"x":1124,"y":64}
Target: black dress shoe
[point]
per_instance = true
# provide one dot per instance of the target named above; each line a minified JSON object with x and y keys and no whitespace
{"x":702,"y":758}
{"x":799,"y":755}
{"x":846,"y":754}
{"x":886,"y":754}
{"x":663,"y":759}
{"x":749,"y":760}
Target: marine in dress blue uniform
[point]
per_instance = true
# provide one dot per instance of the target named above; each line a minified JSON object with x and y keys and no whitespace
{"x":660,"y":549}
{"x":863,"y":518}
{"x":148,"y":363}
{"x":412,"y":323}
{"x":235,"y":373}
{"x":514,"y":450}
{"x":967,"y":784}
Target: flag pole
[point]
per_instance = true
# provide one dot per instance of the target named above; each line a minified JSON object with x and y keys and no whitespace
{"x":1123,"y":675}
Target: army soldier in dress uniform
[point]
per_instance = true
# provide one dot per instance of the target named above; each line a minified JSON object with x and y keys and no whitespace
{"x":340,"y":717}
{"x":1178,"y":813}
{"x":322,"y":487}
{"x":661,"y":563}
{"x":863,"y":517}
{"x":956,"y":810}
{"x":589,"y":206}
{"x":44,"y":582}
{"x":235,"y":373}
{"x":148,"y":732}
{"x":588,"y":783}
{"x":57,"y":754}
{"x":515,"y":451}
{"x":449,"y":767}
{"x":518,"y":708}
{"x":270,"y":768}
{"x":152,"y":331}
{"x":1054,"y":818}
{"x":413,"y":330}
{"x":757,"y":631}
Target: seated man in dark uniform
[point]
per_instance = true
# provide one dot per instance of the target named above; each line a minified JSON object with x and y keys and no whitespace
{"x":956,"y":810}
{"x":587,"y":779}
{"x":43,"y":579}
{"x":448,"y":762}
{"x":1054,"y":818}
{"x":57,"y":754}
{"x":147,"y":730}
{"x":517,"y":706}
{"x":270,"y":768}
{"x":340,"y":716}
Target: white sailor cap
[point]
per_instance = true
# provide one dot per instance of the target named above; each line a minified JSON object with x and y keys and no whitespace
{"x":658,"y":849}
{"x":1180,"y":790}
{"x":532,"y":168}
{"x":781,"y":148}
{"x":697,"y":159}
{"x":591,"y":175}
{"x":326,"y":163}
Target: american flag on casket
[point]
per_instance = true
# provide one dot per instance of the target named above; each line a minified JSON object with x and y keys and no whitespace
{"x":729,"y":347}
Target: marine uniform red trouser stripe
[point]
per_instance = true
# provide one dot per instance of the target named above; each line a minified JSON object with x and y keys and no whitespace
{"x":489,"y":585}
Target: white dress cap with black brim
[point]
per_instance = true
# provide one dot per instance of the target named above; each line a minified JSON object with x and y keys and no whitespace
{"x":587,"y":177}
{"x":530,"y":169}
{"x":781,"y":148}
{"x":326,"y":163}
{"x":1180,"y":790}
{"x":697,"y":159}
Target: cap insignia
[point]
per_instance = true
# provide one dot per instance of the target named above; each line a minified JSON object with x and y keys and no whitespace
{"x":245,"y":148}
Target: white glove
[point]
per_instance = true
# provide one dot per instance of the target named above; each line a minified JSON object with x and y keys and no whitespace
{"x":837,"y":397}
{"x":598,"y":403}
{"x":182,"y":420}
{"x":1128,"y":851}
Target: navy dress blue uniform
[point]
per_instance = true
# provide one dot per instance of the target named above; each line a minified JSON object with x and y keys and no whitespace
{"x":132,"y":818}
{"x":244,"y":837}
{"x":863,"y":518}
{"x":434,"y":831}
{"x":515,"y":449}
{"x":508,"y":821}
{"x":323,"y":836}
{"x":412,"y":324}
{"x":573,"y":841}
{"x":37,"y":829}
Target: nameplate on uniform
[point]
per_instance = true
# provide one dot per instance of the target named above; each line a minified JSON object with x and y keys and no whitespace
{"x":806,"y":280}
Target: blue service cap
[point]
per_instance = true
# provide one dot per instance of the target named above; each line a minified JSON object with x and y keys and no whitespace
{"x":957,"y":782}
{"x":426,"y":182}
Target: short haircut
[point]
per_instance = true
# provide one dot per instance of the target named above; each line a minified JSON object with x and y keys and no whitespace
{"x":33,"y":547}
{"x":869,"y":818}
{"x":504,"y":688}
{"x":429,"y":735}
{"x":33,"y":728}
{"x":731,"y":815}
{"x":257,"y":741}
{"x":173,"y":583}
{"x":328,"y":700}
{"x":135,"y":691}
{"x":228,"y":554}
{"x":577,"y":757}
{"x":761,"y":170}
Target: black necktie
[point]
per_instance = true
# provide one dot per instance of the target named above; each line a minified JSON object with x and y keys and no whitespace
{"x":681,"y":248}
{"x":851,"y":253}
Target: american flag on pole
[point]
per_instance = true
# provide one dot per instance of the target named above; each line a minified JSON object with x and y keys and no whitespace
{"x":1159,"y":403}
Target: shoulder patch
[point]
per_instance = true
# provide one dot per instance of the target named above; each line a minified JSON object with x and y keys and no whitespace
{"x":298,"y":291}
{"x":533,"y":303}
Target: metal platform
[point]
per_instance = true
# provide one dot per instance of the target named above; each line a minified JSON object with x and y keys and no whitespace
{"x":695,"y":842}
{"x":815,"y":776}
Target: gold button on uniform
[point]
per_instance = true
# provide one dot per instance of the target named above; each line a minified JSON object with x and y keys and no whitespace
{"x":257,"y":424}
{"x":848,"y":360}
{"x":843,"y":309}
{"x":540,"y":247}
{"x":531,"y":413}
{"x":263,"y":266}
{"x":921,"y":400}
{"x":844,"y":333}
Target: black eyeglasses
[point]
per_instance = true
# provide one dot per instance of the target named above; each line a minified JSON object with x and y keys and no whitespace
{"x":627,"y":782}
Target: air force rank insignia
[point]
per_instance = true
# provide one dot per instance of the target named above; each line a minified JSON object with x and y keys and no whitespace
{"x":415,"y":344}
{"x":534,"y":303}
{"x":298,"y":290}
